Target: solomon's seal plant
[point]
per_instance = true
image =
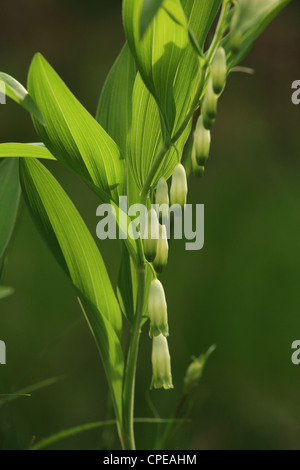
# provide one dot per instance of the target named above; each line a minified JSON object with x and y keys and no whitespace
{"x":166,"y":72}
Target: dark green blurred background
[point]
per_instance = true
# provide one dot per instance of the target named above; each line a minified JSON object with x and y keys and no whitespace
{"x":241,"y":291}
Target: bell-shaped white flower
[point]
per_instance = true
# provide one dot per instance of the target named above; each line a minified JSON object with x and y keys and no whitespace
{"x":179,"y":188}
{"x":210,"y":102}
{"x":202,"y":141}
{"x":157,"y":309}
{"x":198,"y":170}
{"x":162,"y":251}
{"x":219,"y":71}
{"x":162,"y":200}
{"x":161,"y":363}
{"x":151,"y":235}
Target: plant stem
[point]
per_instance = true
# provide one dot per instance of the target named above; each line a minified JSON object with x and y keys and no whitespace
{"x":127,"y":434}
{"x":128,"y":440}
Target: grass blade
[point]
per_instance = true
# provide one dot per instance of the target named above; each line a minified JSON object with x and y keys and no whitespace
{"x":59,"y":436}
{"x":27,"y":391}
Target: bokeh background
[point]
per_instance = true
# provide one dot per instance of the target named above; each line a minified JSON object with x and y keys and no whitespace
{"x":240,"y":292}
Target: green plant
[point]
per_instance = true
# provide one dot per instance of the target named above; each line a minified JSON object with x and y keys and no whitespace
{"x":132,"y":148}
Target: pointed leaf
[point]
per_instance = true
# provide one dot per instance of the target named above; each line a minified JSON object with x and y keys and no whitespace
{"x":9,"y":200}
{"x":68,"y":238}
{"x":114,"y":111}
{"x":157,"y":54}
{"x":115,"y":104}
{"x":20,"y":95}
{"x":28,"y":390}
{"x":166,"y":58}
{"x":71,"y":134}
{"x":200,"y":17}
{"x":250,"y":22}
{"x":25,"y":150}
{"x":145,"y":138}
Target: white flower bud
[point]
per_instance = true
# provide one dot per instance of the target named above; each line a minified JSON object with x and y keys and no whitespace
{"x":219,"y":71}
{"x":236,"y":41}
{"x":162,"y":250}
{"x":161,"y":363}
{"x":210,"y":102}
{"x":162,"y":200}
{"x":193,"y":375}
{"x":207,"y":122}
{"x":151,"y":235}
{"x":201,"y":142}
{"x":198,"y":170}
{"x":178,"y":191}
{"x":157,"y":308}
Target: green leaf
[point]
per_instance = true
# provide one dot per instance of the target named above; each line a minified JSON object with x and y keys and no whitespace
{"x":145,"y":138}
{"x":9,"y":200}
{"x":20,"y":95}
{"x":157,"y":54}
{"x":68,"y":238}
{"x":5,"y":292}
{"x":249,"y":20}
{"x":201,"y":16}
{"x":25,"y":150}
{"x":149,"y":10}
{"x":114,"y":111}
{"x":166,"y":58}
{"x":27,"y":391}
{"x":174,"y":9}
{"x":115,"y":104}
{"x":59,"y":436}
{"x":127,"y":286}
{"x":71,"y":134}
{"x":75,"y":249}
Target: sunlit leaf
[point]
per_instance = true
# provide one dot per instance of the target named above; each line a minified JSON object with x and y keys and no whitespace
{"x":68,"y":238}
{"x":115,"y":108}
{"x":71,"y":134}
{"x":25,"y":150}
{"x":148,"y":11}
{"x":157,"y":54}
{"x":145,"y":138}
{"x":20,"y":95}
